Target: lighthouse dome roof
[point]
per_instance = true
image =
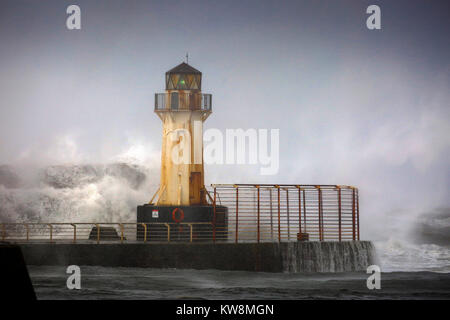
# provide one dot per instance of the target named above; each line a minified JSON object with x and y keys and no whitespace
{"x":183,"y":68}
{"x":183,"y":77}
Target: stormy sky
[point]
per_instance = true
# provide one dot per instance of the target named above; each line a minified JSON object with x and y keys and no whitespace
{"x":354,"y":106}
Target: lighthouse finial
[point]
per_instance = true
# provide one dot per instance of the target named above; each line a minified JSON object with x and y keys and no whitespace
{"x":187,"y":57}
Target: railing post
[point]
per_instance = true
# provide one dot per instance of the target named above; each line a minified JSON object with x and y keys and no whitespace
{"x":304,"y":210}
{"x":320,"y":213}
{"x":353,"y":213}
{"x":258,"y":228}
{"x":98,"y":233}
{"x":299,"y":209}
{"x":237,"y":213}
{"x":279,"y":214}
{"x":145,"y":231}
{"x":287,"y":215}
{"x":214,"y":208}
{"x":51,"y":232}
{"x":74,"y":232}
{"x":190,"y":226}
{"x":168,"y":231}
{"x":339,"y":212}
{"x":357,"y":210}
{"x":28,"y":231}
{"x":271,"y":215}
{"x":121,"y":232}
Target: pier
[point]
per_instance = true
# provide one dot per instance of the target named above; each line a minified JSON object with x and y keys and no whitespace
{"x":270,"y":228}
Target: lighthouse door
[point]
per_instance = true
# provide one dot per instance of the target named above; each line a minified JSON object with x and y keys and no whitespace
{"x":195,"y":187}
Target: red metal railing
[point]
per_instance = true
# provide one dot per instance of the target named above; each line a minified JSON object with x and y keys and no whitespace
{"x":252,"y":213}
{"x":258,"y":213}
{"x":97,"y":232}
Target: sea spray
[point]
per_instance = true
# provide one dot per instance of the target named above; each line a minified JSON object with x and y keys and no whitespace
{"x":76,"y":193}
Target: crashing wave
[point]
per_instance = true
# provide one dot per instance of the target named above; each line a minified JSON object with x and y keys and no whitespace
{"x":81,"y":193}
{"x":401,"y":255}
{"x":425,"y":246}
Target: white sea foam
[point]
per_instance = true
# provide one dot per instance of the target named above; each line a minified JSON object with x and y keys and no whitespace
{"x":419,"y":244}
{"x":402,"y":255}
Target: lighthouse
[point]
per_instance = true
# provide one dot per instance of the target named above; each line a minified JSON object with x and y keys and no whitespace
{"x":181,"y":197}
{"x":182,"y":109}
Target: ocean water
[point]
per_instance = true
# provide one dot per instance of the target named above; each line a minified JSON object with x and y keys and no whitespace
{"x":409,"y":271}
{"x":146,"y":283}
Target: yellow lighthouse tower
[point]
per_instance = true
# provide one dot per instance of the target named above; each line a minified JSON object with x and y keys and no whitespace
{"x":181,"y":196}
{"x":182,"y":109}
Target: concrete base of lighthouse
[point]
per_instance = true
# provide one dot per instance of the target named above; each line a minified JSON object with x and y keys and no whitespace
{"x":182,"y":223}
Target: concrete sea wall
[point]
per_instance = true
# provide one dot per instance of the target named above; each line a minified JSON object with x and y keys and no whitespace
{"x":266,"y":257}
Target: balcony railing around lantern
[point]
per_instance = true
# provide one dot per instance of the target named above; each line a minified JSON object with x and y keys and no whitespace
{"x":187,"y":101}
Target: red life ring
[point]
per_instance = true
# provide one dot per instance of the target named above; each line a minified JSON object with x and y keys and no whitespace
{"x":174,"y":217}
